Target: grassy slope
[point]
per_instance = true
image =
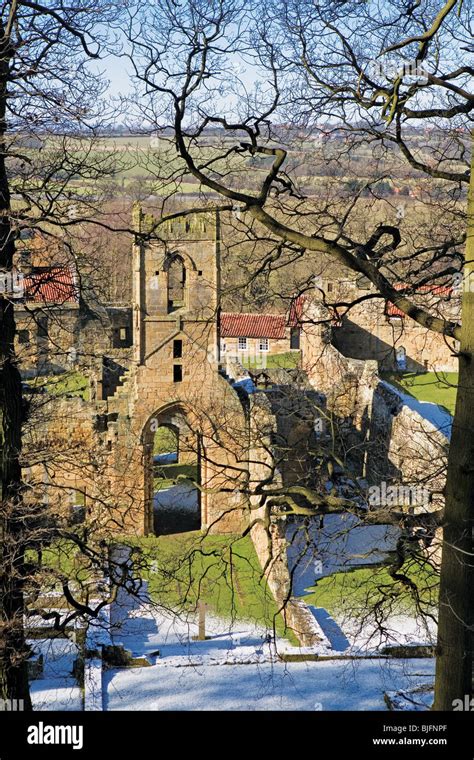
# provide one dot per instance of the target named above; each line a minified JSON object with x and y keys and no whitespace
{"x":222,"y":571}
{"x":439,"y":388}
{"x":355,"y":591}
{"x":65,"y":559}
{"x":69,"y":383}
{"x":182,"y":569}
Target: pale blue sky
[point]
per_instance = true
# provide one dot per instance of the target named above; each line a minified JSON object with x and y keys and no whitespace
{"x":118,"y":71}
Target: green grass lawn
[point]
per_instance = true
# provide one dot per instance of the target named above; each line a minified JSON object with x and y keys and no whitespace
{"x":169,"y":474}
{"x":64,"y":559}
{"x":66,"y":384}
{"x":182,"y":569}
{"x":439,"y":388}
{"x":165,"y":441}
{"x":222,"y":571}
{"x":288,"y":360}
{"x":355,"y":591}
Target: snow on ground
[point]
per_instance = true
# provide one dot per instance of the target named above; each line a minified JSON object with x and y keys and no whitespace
{"x":350,"y":636}
{"x":397,"y":630}
{"x":431,"y":412}
{"x":181,"y":498}
{"x":49,"y":695}
{"x":238,"y":666}
{"x":341,"y":542}
{"x":57,"y":689}
{"x":335,"y":685}
{"x":419,"y":698}
{"x":236,"y":669}
{"x":171,"y":457}
{"x":144,"y":630}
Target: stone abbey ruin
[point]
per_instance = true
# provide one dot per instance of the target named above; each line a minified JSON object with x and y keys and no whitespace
{"x":261,"y":444}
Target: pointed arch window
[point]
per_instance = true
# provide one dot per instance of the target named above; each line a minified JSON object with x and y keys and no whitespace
{"x":176,"y":283}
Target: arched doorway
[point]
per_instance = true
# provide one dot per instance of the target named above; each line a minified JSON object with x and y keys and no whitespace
{"x":172,"y":473}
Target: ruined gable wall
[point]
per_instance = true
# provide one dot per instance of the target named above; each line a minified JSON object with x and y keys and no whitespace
{"x":395,"y":442}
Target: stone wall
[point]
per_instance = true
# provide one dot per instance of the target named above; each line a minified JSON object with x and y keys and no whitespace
{"x":390,"y":440}
{"x":268,"y":533}
{"x":367,"y":331}
{"x":55,"y":339}
{"x":405,"y":445}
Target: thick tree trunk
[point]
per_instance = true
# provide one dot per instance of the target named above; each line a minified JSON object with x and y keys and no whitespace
{"x":456,"y":606}
{"x":13,"y":664}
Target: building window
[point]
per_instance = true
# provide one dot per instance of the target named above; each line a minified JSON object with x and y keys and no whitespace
{"x":264,"y":344}
{"x":295,"y":338}
{"x":43,"y":327}
{"x":401,"y":358}
{"x":176,"y":283}
{"x":223,"y":348}
{"x":77,"y":500}
{"x":23,"y":336}
{"x":120,"y":337}
{"x":177,"y":349}
{"x":242,"y":344}
{"x":329,"y":287}
{"x":177,"y":373}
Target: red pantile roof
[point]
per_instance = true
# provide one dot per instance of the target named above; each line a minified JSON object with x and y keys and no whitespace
{"x":392,"y":311}
{"x":295,"y":314}
{"x":234,"y":325}
{"x":51,"y":285}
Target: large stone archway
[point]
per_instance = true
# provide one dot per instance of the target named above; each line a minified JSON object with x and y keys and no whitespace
{"x":173,"y":486}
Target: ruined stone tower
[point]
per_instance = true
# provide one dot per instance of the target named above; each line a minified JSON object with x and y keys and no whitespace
{"x":176,"y":287}
{"x":174,"y":381}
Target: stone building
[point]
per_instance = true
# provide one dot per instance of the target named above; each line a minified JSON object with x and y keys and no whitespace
{"x":254,"y":335}
{"x":375,"y":329}
{"x":170,"y":380}
{"x":60,"y":329}
{"x":160,"y":365}
{"x":55,"y":336}
{"x":239,"y":439}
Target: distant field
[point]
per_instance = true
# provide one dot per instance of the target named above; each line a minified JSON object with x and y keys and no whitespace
{"x":141,"y":158}
{"x":439,"y":388}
